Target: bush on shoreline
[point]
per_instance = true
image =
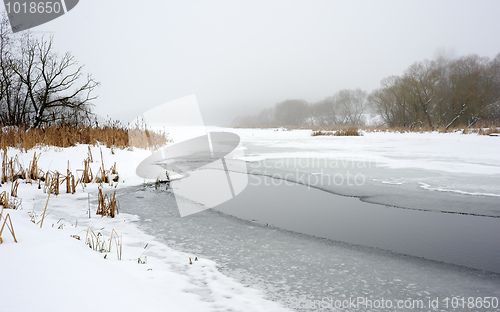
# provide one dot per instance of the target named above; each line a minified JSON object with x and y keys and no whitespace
{"x":338,"y":132}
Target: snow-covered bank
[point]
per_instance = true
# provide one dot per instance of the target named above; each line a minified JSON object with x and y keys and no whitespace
{"x":50,"y":270}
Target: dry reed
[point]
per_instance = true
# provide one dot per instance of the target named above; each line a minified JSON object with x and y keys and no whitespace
{"x":98,"y":243}
{"x":94,"y":241}
{"x":13,"y":189}
{"x":12,"y":170}
{"x":45,"y":209}
{"x":118,"y":243}
{"x":4,"y":199}
{"x":33,"y":171}
{"x":66,"y":136}
{"x":10,"y":227}
{"x":348,"y":132}
{"x":338,"y":132}
{"x":489,"y":131}
{"x":319,"y":133}
{"x":107,"y":205}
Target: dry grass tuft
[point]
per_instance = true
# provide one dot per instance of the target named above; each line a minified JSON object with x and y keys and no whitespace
{"x":70,"y":181}
{"x":87,"y":175}
{"x":107,"y":205}
{"x":10,"y":202}
{"x":11,"y":169}
{"x":348,"y":132}
{"x":489,"y":131}
{"x":319,"y":133}
{"x":338,"y":132}
{"x":33,"y":173}
{"x":98,"y":243}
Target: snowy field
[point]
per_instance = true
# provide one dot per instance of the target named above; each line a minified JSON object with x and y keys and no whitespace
{"x":49,"y":270}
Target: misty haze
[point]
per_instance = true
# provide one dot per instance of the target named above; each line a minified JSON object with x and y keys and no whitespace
{"x":250,"y":156}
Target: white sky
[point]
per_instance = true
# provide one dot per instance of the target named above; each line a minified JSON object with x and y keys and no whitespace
{"x":241,"y":56}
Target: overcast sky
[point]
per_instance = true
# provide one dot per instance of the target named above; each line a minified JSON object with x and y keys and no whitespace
{"x":238,"y":57}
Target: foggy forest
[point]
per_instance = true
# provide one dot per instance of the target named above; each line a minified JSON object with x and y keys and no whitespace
{"x":442,"y":93}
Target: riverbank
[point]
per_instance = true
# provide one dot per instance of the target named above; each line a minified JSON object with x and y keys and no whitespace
{"x":53,"y":269}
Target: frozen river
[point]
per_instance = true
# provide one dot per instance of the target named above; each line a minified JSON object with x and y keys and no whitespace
{"x":461,"y":239}
{"x":418,"y":228}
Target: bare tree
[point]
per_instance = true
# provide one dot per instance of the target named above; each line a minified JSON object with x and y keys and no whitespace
{"x":490,"y":115}
{"x":13,"y":102}
{"x":470,"y":88}
{"x":52,"y":82}
{"x":390,"y":102}
{"x":390,"y":106}
{"x":420,"y":83}
{"x":291,"y":112}
{"x":319,"y":113}
{"x":441,"y":93}
{"x":350,"y":105}
{"x":38,"y":85}
{"x":266,"y":117}
{"x":330,"y":110}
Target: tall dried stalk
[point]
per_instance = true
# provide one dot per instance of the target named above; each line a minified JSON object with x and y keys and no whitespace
{"x":101,"y":176}
{"x":45,"y":209}
{"x":13,"y":189}
{"x":89,"y":154}
{"x":9,"y":226}
{"x":4,"y":199}
{"x":4,"y":167}
{"x":118,"y":243}
{"x":55,"y":183}
{"x":68,"y":180}
{"x":47,"y":183}
{"x":73,"y":185}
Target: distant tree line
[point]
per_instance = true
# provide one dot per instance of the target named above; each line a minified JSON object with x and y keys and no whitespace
{"x":442,"y":93}
{"x":39,"y":86}
{"x":346,"y":107}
